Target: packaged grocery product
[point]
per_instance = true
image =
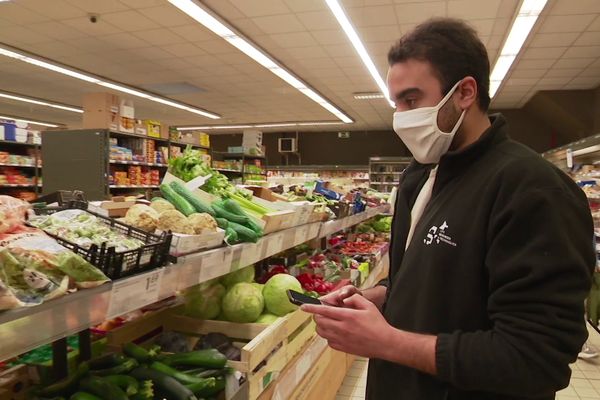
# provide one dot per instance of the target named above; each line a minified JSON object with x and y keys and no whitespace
{"x":12,"y":213}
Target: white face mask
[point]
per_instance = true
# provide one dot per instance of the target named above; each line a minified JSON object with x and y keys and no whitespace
{"x":419,"y":131}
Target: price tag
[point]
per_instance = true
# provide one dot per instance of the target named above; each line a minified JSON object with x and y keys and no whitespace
{"x":215,"y":264}
{"x":274,"y":245}
{"x":302,"y":234}
{"x":134,"y":293}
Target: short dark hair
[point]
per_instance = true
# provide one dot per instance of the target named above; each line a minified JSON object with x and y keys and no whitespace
{"x":453,"y":49}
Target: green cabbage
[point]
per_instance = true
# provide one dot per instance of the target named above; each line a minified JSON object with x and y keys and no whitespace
{"x":243,"y":303}
{"x":275,"y":294}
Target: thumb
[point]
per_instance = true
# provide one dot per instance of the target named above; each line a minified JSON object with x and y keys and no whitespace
{"x":357,"y":302}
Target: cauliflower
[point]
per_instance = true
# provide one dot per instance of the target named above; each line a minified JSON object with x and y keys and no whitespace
{"x":161,"y":205}
{"x":143,"y":217}
{"x":174,"y":221}
{"x":201,"y":222}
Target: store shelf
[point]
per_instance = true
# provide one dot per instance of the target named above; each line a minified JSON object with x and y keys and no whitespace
{"x":182,"y":144}
{"x":133,"y":186}
{"x":18,"y":166}
{"x":14,"y":185}
{"x":254,"y":173}
{"x":10,"y":142}
{"x":136,"y":136}
{"x":253,"y":181}
{"x":74,"y":312}
{"x":384,"y":183}
{"x":241,"y":155}
{"x":386,"y":173}
{"x":143,"y":164}
{"x":317,"y":168}
{"x":228,"y":170}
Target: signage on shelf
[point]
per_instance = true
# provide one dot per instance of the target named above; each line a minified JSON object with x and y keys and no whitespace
{"x":215,"y":263}
{"x":134,"y":293}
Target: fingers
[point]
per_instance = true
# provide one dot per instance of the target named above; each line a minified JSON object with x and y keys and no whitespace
{"x":337,"y":313}
{"x":357,"y":302}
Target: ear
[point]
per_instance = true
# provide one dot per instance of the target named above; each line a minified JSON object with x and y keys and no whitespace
{"x":467,"y":93}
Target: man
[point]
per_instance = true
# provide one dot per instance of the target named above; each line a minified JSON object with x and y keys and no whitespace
{"x":491,"y":254}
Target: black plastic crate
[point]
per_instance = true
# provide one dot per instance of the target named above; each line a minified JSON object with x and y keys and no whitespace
{"x":115,"y":265}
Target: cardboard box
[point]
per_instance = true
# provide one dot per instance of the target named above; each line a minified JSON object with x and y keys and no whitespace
{"x":164,"y":131}
{"x":140,"y":128}
{"x":153,"y":128}
{"x":101,"y":110}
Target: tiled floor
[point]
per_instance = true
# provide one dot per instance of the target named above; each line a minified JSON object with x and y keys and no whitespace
{"x":585,"y":381}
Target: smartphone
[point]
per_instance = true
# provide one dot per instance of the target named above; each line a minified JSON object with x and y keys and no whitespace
{"x":298,"y":298}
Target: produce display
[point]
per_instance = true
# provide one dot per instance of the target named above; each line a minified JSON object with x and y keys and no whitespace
{"x":143,"y":374}
{"x":35,"y":267}
{"x":84,"y":229}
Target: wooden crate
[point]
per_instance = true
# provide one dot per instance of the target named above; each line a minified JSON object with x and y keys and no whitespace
{"x":266,"y":349}
{"x":14,"y":382}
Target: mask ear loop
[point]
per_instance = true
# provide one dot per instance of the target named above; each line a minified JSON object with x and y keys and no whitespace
{"x":442,"y":103}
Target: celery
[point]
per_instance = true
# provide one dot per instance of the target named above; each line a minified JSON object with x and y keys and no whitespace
{"x":249,"y":205}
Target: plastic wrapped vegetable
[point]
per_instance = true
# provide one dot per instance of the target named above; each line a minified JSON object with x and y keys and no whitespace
{"x":12,"y":213}
{"x":161,"y":205}
{"x":202,"y":222}
{"x":143,"y":217}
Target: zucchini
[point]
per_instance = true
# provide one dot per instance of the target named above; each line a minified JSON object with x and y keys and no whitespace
{"x":106,"y":361}
{"x":125,"y":367}
{"x":209,"y":358}
{"x":173,"y":373}
{"x":244,"y":233}
{"x":102,"y":388}
{"x":127,"y":383}
{"x":255,"y":227}
{"x":233,"y":207}
{"x":66,"y":386}
{"x":179,"y":202}
{"x":216,"y":388}
{"x":222,"y":223}
{"x":231,"y":217}
{"x":204,"y":387}
{"x":192,"y":199}
{"x":84,"y":396}
{"x":231,"y":236}
{"x":137,"y":352}
{"x":164,"y":385}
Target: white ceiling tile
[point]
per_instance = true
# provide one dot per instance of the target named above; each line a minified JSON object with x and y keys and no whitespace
{"x":19,"y":35}
{"x":224,"y":8}
{"x":326,"y":62}
{"x":159,"y":36}
{"x":193,"y":32}
{"x":18,"y":14}
{"x":294,"y":39}
{"x":566,"y":23}
{"x":591,"y":72}
{"x":507,"y":8}
{"x":543,"y":53}
{"x":419,"y":12}
{"x":247,"y":27}
{"x":341,"y":51}
{"x":588,"y":39}
{"x":130,"y":21}
{"x":494,"y":42}
{"x":259,"y":8}
{"x":124,"y":41}
{"x":184,"y":50}
{"x":150,"y":53}
{"x":136,"y":4}
{"x":307,"y":53}
{"x":389,"y":33}
{"x":99,"y":7}
{"x":55,"y":9}
{"x":56,"y":30}
{"x":372,"y":16}
{"x":330,"y":37}
{"x":573,"y":63}
{"x":473,"y":9}
{"x":484,"y":27}
{"x":305,"y":5}
{"x":501,"y":26}
{"x":100,"y":28}
{"x":317,"y":20}
{"x":279,"y":24}
{"x":535,"y":64}
{"x":584,"y":80}
{"x":594,"y":26}
{"x":583,"y":52}
{"x":236,"y":58}
{"x":552,"y":39}
{"x":575,"y":7}
{"x":527,"y":73}
{"x":216,"y":46}
{"x":167,"y":15}
{"x":563,"y":73}
{"x":521,"y":82}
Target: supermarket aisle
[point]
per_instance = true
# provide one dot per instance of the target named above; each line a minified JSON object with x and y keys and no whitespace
{"x":585,"y":381}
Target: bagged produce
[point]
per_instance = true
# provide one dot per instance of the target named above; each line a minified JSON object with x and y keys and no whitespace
{"x":12,"y":213}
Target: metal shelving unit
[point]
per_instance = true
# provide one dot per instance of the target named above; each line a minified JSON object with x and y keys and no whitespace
{"x":385,"y":172}
{"x":243,"y":158}
{"x":33,"y":171}
{"x":20,"y":329}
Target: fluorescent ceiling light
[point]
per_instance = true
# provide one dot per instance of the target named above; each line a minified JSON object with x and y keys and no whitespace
{"x":48,"y":124}
{"x":266,"y":125}
{"x":523,"y":24}
{"x":31,"y":59}
{"x":204,"y":17}
{"x":368,"y":96}
{"x":32,"y":100}
{"x":344,"y":22}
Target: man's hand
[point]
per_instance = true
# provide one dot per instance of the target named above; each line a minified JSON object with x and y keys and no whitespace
{"x":337,"y":298}
{"x":357,"y":328}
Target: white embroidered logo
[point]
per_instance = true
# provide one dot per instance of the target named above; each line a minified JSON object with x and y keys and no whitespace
{"x":438,"y":234}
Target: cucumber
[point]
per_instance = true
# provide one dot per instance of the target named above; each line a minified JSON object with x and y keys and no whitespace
{"x":231,"y":217}
{"x":102,"y":388}
{"x":231,"y":236}
{"x":219,"y":386}
{"x":233,"y":207}
{"x":178,"y":201}
{"x":84,"y":396}
{"x":209,"y":358}
{"x":108,"y":360}
{"x":203,"y":388}
{"x":255,"y":227}
{"x":125,"y":367}
{"x":66,"y":386}
{"x":222,"y":223}
{"x":127,"y":383}
{"x":137,"y":352}
{"x":164,"y":385}
{"x":198,"y":205}
{"x":244,"y":233}
{"x":173,"y":373}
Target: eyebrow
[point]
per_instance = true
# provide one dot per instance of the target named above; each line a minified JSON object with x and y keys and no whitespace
{"x":407,"y":92}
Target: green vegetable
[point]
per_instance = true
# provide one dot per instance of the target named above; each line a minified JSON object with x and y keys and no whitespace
{"x":84,"y":396}
{"x":219,"y":386}
{"x":209,"y":358}
{"x":102,"y":388}
{"x":267,"y":319}
{"x":233,"y":207}
{"x":127,"y":383}
{"x":229,"y":216}
{"x":248,"y":204}
{"x":107,"y":360}
{"x":177,"y":200}
{"x":173,"y":373}
{"x":243,"y":303}
{"x":255,"y":227}
{"x":66,"y":386}
{"x":125,"y":367}
{"x":139,"y":353}
{"x":245,"y":274}
{"x":231,"y":236}
{"x":145,"y":392}
{"x":244,"y":233}
{"x":222,"y":223}
{"x":203,"y":388}
{"x":164,"y":385}
{"x":204,"y":302}
{"x":198,"y":205}
{"x":275,"y":293}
